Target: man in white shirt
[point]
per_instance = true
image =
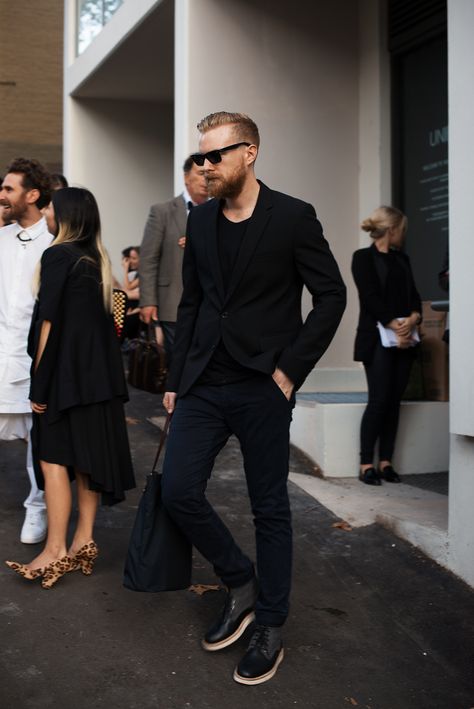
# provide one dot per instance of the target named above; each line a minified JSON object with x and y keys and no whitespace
{"x":25,"y":191}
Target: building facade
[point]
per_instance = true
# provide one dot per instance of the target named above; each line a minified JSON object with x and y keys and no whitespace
{"x":337,"y":90}
{"x":31,"y":86}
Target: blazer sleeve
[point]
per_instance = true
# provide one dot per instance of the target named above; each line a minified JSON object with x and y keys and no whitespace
{"x":320,"y":274}
{"x":55,"y":268}
{"x":150,"y":254}
{"x":188,"y":310}
{"x":368,"y":286}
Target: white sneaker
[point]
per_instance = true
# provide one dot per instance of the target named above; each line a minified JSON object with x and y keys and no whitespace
{"x":35,"y":527}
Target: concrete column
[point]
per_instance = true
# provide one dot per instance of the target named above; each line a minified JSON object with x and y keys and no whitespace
{"x":117,"y":145}
{"x":375,"y":186}
{"x":182,"y":143}
{"x":461,"y":186}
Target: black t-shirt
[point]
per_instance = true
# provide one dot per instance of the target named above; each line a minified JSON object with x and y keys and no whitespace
{"x":222,"y":367}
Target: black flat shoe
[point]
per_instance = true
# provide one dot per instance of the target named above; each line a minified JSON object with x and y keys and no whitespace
{"x":389,"y":474}
{"x":263,"y":657}
{"x":236,"y":616}
{"x":370,"y":477}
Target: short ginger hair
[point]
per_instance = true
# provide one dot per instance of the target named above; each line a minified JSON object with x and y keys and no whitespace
{"x":244,"y":128}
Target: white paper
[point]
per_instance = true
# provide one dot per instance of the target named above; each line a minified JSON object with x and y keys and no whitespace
{"x":388,"y":338}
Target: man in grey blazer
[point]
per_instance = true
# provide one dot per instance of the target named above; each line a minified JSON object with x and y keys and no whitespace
{"x":161,"y":253}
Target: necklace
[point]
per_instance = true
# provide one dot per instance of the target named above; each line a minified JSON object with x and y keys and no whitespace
{"x":23,"y":241}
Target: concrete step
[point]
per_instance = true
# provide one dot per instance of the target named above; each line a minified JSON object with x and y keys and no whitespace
{"x":418,"y":516}
{"x":326,"y":427}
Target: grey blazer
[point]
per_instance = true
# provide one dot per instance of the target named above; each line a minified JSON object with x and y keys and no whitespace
{"x":161,"y":258}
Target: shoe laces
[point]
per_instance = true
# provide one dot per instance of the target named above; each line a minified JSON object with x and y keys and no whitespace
{"x":261,"y":639}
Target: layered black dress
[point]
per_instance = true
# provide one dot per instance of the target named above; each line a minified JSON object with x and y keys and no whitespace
{"x":80,"y":377}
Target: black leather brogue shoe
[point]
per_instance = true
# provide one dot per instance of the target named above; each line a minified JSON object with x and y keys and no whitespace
{"x":264,"y":655}
{"x":369,"y":476}
{"x":236,"y":616}
{"x":390,"y":475}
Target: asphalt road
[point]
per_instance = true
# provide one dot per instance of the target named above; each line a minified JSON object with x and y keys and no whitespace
{"x":373,"y":624}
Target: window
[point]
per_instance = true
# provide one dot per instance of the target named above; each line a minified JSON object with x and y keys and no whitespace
{"x":92,"y":16}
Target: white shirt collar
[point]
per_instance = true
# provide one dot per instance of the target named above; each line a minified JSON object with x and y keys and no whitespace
{"x":32,"y":232}
{"x":187,"y":198}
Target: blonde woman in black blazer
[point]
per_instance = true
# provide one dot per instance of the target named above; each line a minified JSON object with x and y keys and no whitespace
{"x":387,"y":295}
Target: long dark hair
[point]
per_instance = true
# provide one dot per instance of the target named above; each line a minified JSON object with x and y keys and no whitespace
{"x":77,"y":216}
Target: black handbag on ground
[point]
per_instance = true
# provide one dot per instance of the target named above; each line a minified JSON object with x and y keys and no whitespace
{"x":147,"y":368}
{"x":159,"y":556}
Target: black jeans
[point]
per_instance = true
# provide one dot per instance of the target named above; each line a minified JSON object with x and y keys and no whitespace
{"x":387,"y":378}
{"x":258,"y":413}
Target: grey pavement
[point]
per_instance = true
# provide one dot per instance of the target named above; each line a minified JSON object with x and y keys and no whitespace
{"x":373,"y":624}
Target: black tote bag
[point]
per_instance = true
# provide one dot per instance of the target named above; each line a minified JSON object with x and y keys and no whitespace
{"x":159,"y":556}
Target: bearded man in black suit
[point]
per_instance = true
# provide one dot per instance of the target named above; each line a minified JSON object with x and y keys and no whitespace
{"x":241,"y":352}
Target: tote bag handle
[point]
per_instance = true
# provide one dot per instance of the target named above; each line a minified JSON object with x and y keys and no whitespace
{"x":163,"y":436}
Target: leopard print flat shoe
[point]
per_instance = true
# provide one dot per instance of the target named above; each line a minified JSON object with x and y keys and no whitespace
{"x":24,"y":571}
{"x":86,"y":557}
{"x":53,"y":572}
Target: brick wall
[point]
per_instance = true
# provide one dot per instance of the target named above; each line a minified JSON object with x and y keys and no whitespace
{"x":31,"y":81}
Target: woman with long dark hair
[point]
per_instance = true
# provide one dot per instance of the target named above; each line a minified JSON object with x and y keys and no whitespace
{"x":77,"y":387}
{"x":390,"y":310}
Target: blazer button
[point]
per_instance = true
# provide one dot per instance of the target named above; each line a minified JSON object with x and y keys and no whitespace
{"x":225,"y":314}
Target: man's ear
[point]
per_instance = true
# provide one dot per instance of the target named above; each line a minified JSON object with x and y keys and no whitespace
{"x":32,"y":196}
{"x":252,"y":152}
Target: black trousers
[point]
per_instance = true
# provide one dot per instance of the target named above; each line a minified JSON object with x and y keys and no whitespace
{"x":387,"y":378}
{"x":258,"y":413}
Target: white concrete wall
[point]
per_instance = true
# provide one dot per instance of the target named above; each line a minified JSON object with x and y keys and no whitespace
{"x":375,"y":184}
{"x":461,"y":506}
{"x":123,"y":152}
{"x":296,"y":74}
{"x":123,"y":22}
{"x":330,"y":435}
{"x":461,"y":181}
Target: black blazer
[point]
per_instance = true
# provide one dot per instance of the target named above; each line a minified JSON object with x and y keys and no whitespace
{"x":258,"y":313}
{"x":371,"y":279}
{"x":81,"y":363}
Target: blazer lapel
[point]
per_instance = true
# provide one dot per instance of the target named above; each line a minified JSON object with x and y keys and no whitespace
{"x":213,"y":253}
{"x":256,"y":227}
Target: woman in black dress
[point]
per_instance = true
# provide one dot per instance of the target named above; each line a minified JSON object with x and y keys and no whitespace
{"x":77,"y":388}
{"x":387,"y":295}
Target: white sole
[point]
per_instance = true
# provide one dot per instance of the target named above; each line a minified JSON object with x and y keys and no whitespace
{"x":213,"y":647}
{"x":35,"y":540}
{"x":262,"y":678}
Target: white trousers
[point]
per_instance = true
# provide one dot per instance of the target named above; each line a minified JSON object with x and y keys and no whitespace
{"x":13,"y":426}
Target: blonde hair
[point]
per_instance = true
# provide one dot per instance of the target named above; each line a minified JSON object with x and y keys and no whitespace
{"x":384,"y":218}
{"x":77,"y":214}
{"x":244,"y":127}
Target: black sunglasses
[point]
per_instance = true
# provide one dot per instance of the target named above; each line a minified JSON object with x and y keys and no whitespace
{"x":214,"y":156}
